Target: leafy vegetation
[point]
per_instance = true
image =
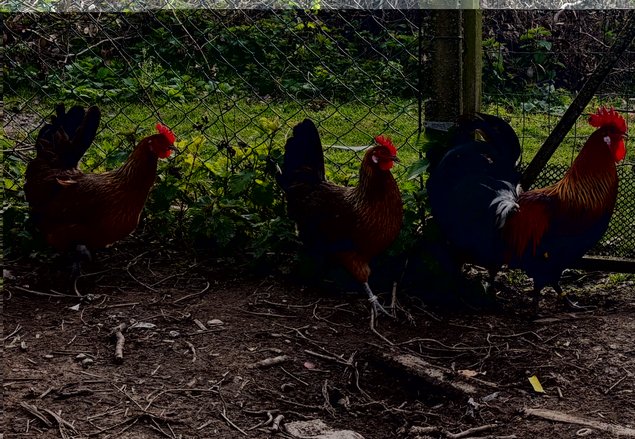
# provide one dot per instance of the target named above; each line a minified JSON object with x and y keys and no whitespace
{"x":232,"y":84}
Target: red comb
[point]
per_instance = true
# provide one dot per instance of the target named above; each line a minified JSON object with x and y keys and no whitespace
{"x":169,"y":135}
{"x":608,"y":116}
{"x":385,"y":141}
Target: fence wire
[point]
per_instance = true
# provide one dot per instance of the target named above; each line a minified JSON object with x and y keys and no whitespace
{"x":232,"y":83}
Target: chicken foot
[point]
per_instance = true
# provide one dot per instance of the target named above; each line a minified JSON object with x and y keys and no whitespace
{"x":80,"y":255}
{"x":568,"y":302}
{"x":377,"y":307}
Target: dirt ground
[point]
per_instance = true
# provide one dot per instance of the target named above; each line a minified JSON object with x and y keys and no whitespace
{"x":197,"y":331}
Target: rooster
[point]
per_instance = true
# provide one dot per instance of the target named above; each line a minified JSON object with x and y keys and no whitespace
{"x":76,"y":211}
{"x":348,"y":225}
{"x":475,"y":196}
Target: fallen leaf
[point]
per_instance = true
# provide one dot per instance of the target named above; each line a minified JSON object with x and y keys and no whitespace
{"x":535,"y":383}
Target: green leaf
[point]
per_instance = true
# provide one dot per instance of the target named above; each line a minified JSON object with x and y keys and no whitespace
{"x":417,"y":168}
{"x":238,"y":183}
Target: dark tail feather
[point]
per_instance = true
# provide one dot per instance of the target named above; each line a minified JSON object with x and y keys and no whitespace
{"x":69,"y":134}
{"x":83,"y":137}
{"x":303,"y":157}
{"x":496,"y":132}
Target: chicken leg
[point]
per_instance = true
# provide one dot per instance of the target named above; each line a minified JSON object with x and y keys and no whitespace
{"x":568,"y":302}
{"x":80,"y":255}
{"x":377,"y":307}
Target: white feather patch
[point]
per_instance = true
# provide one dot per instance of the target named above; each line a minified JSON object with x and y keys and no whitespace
{"x":505,"y":202}
{"x":375,"y":159}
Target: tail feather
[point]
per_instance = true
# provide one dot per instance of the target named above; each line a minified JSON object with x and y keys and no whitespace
{"x":472,"y":188}
{"x":496,"y":132}
{"x":303,"y":157}
{"x":69,"y":135}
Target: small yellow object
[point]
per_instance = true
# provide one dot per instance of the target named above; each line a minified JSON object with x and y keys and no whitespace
{"x":546,"y":255}
{"x":535,"y":383}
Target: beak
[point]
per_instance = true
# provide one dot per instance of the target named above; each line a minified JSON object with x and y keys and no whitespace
{"x":625,"y":136}
{"x":394,"y":158}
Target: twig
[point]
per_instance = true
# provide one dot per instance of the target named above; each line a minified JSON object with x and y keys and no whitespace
{"x":231,"y":423}
{"x":275,"y":426}
{"x":606,"y":392}
{"x":556,"y":416}
{"x":268,"y":362}
{"x":81,"y":52}
{"x":285,"y":305}
{"x":293,"y":376}
{"x":263,"y":423}
{"x":60,"y":421}
{"x":163,"y":392}
{"x":329,"y":357}
{"x":267,"y":314}
{"x":460,"y":435}
{"x":120,"y":340}
{"x":36,"y":412}
{"x":189,"y":296}
{"x":17,"y":329}
{"x":140,"y":282}
{"x":39,"y":293}
{"x":471,"y":431}
{"x":327,"y":403}
{"x":372,"y":328}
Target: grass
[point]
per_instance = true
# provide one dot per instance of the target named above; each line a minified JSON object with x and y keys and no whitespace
{"x":250,"y":127}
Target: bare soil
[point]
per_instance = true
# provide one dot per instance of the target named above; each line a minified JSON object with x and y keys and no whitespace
{"x":196,"y":330}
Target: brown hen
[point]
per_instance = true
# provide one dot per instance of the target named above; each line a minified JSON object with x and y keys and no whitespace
{"x":349,"y":225}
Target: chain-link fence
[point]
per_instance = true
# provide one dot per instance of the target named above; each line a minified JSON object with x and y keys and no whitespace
{"x":231,"y":84}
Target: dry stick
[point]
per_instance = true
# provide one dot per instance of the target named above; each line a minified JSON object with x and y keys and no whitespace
{"x":231,"y":423}
{"x":372,"y":328}
{"x":471,"y":431}
{"x":268,"y":362}
{"x":329,"y":357}
{"x":276,"y":423}
{"x":263,"y":423}
{"x":293,"y":376}
{"x":265,"y":314}
{"x":163,"y":392}
{"x":39,"y":293}
{"x":17,"y":329}
{"x":120,"y":340}
{"x":60,"y":421}
{"x":585,"y":95}
{"x":462,"y":434}
{"x":189,"y":296}
{"x":556,"y":416}
{"x":327,"y":403}
{"x":606,"y":392}
{"x":37,"y":413}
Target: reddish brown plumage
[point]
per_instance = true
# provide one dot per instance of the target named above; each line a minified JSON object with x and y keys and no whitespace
{"x":585,"y":195}
{"x":554,"y":226}
{"x":350,"y":224}
{"x":74,"y":208}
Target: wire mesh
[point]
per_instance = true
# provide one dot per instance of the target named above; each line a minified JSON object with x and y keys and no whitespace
{"x":232,"y":83}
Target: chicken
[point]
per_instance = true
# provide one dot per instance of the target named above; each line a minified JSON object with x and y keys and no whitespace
{"x":76,"y":211}
{"x":474,"y":195}
{"x":348,"y":225}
